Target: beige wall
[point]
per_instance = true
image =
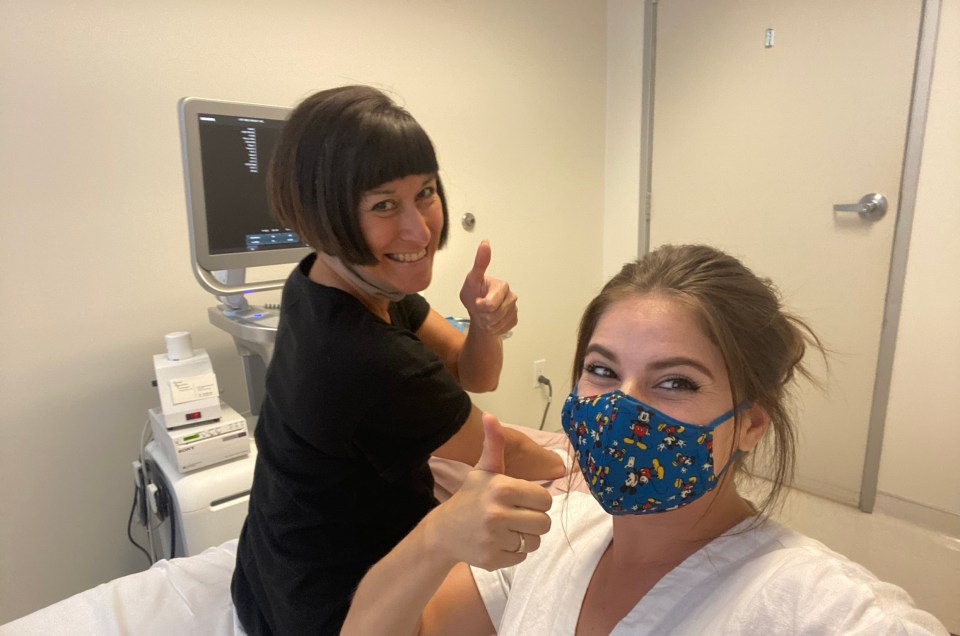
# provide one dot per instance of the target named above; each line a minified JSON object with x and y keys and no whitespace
{"x":621,"y":220}
{"x":95,"y":258}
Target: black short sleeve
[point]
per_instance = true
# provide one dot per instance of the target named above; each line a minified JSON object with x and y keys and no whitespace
{"x":353,"y":408}
{"x":350,"y":384}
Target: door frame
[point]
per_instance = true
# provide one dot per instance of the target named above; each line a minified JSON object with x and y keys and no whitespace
{"x":909,"y":178}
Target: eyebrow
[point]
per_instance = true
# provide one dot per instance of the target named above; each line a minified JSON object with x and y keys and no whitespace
{"x":595,"y":348}
{"x":391,"y":191}
{"x":681,"y":361}
{"x":656,"y":365}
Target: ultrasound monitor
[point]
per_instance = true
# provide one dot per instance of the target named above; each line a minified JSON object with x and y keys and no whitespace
{"x":226,"y":151}
{"x":227,"y":148}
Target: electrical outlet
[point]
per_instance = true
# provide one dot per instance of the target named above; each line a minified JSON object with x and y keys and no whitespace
{"x":538,"y":370}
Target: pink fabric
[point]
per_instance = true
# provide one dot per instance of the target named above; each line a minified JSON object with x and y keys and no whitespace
{"x":449,"y":474}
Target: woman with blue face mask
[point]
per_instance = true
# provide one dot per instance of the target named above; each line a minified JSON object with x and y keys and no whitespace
{"x":682,"y":369}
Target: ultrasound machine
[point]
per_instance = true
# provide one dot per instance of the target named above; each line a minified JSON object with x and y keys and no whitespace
{"x":226,"y":150}
{"x":193,"y":479}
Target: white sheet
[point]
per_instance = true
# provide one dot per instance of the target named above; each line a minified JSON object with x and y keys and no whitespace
{"x":192,"y":595}
{"x":179,"y":596}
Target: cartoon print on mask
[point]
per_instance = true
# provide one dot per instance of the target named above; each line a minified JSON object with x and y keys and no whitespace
{"x":683,"y":462}
{"x":627,"y":452}
{"x":602,"y":422}
{"x":638,"y":429}
{"x":640,"y":476}
{"x":598,"y":475}
{"x":707,"y":441}
{"x":670,"y":438}
{"x":650,"y":504}
{"x":685,"y":487}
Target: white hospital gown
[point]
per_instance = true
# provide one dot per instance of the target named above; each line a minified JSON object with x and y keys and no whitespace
{"x":768,"y":580}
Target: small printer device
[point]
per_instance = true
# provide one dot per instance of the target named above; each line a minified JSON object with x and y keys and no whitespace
{"x":186,"y":383}
{"x":197,"y":446}
{"x":193,"y":427}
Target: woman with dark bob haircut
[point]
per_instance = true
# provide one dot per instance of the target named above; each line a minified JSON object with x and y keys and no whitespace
{"x":683,"y":367}
{"x":366,"y":380}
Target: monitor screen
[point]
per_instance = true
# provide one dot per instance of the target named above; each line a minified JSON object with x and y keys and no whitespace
{"x":227,"y":148}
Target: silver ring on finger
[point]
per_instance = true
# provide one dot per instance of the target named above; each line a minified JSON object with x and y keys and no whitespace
{"x":523,"y":543}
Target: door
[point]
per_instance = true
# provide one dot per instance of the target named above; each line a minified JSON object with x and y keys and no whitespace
{"x":767,"y":115}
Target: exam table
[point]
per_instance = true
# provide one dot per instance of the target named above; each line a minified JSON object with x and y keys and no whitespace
{"x":191,"y":595}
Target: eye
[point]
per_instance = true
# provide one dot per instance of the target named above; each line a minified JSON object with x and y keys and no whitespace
{"x":599,"y":370}
{"x":679,"y":383}
{"x":385,"y":205}
{"x":427,"y":192}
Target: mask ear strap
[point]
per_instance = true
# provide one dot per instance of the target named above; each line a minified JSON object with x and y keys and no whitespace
{"x":720,"y":420}
{"x":743,"y":406}
{"x":734,"y":457}
{"x":723,"y":418}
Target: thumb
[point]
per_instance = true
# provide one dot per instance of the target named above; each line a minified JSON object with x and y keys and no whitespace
{"x":491,"y":460}
{"x":480,"y":263}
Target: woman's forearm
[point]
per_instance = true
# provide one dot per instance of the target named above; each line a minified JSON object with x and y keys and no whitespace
{"x":480,"y":361}
{"x":526,"y":459}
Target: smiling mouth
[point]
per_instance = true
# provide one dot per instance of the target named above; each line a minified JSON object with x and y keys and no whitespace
{"x":409,"y":257}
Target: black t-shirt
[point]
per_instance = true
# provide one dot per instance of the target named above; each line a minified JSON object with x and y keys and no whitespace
{"x":352,"y":411}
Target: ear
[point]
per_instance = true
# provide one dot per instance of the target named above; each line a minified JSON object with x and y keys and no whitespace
{"x":753,"y":425}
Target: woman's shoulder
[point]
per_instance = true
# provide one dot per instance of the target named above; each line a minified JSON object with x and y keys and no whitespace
{"x":578,"y":504}
{"x":789,"y":558}
{"x":578,"y":519}
{"x":790,"y":574}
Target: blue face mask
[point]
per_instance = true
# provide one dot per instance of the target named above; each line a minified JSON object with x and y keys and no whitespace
{"x":639,"y":460}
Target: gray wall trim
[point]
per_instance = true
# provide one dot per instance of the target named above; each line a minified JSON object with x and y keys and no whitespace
{"x":646,"y":122}
{"x":909,"y":178}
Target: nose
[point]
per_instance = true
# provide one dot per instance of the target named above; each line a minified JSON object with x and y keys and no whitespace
{"x":631,"y":388}
{"x":413,"y":225}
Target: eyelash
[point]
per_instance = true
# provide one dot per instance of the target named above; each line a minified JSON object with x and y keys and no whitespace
{"x":689,"y":385}
{"x":678,"y":382}
{"x":379,"y":206}
{"x":594,"y":369}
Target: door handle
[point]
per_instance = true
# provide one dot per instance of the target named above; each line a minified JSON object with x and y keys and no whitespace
{"x":871,"y":207}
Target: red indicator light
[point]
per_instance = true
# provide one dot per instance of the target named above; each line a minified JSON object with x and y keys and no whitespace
{"x":193,"y":416}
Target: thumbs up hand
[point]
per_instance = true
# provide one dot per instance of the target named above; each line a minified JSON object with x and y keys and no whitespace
{"x":493,"y":521}
{"x":491,"y":458}
{"x":489,"y":301}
